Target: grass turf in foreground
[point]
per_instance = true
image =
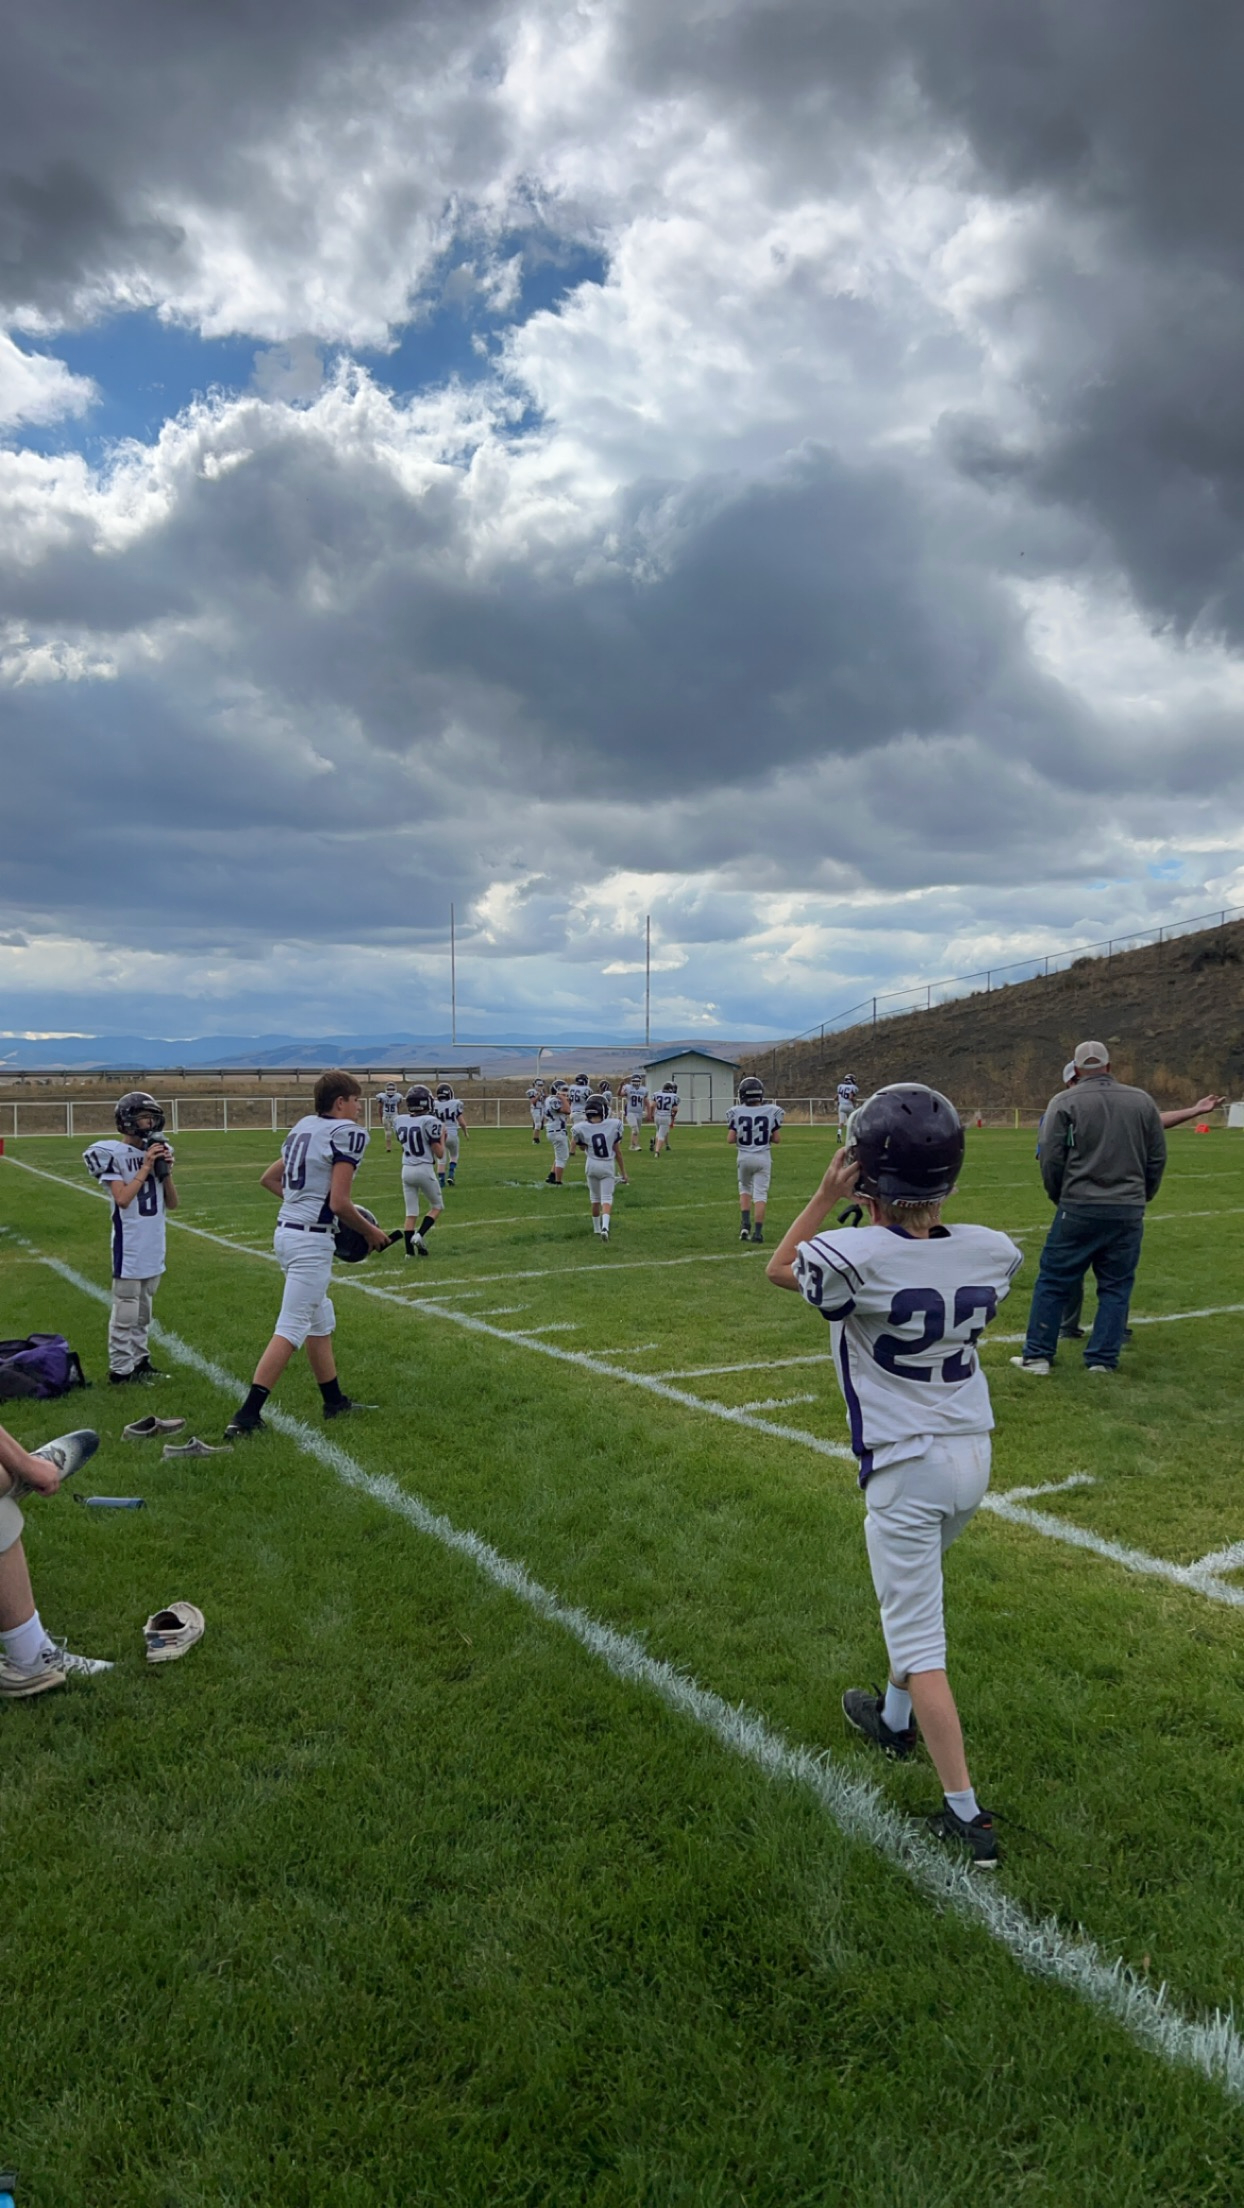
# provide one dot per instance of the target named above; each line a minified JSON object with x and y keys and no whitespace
{"x":387,"y":1889}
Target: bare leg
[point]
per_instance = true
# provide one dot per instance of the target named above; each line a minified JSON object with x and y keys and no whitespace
{"x":17,"y":1601}
{"x":320,"y":1356}
{"x":273,"y":1362}
{"x":938,"y":1719}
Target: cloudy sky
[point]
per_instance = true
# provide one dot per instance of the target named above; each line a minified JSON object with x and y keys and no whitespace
{"x":773,"y":464}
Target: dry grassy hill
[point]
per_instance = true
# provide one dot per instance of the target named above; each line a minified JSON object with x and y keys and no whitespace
{"x":1173,"y":1015}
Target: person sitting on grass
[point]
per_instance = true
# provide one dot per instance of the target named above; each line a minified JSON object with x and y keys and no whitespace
{"x":907,"y":1298}
{"x":32,"y":1661}
{"x":312,"y":1179}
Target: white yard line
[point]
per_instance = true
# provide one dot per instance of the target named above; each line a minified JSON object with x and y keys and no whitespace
{"x":637,"y":1349}
{"x":760,"y":1364}
{"x":1161,"y":1318}
{"x":778,"y":1402}
{"x":860,"y":1812}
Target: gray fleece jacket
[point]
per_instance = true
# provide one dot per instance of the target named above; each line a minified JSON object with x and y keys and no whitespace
{"x":1102,"y":1143}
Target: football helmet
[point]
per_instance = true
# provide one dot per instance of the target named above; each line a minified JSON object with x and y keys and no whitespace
{"x":419,"y":1098}
{"x":596,"y":1108}
{"x":136,"y":1104}
{"x":909,"y":1142}
{"x":350,"y":1246}
{"x":582,"y":1080}
{"x":751,"y":1091}
{"x":444,"y":1094}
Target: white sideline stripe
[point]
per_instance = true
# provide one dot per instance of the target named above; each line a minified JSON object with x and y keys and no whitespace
{"x":1039,"y":1945}
{"x":637,"y":1350}
{"x":649,"y":1381}
{"x":778,"y":1402}
{"x":501,"y":1311}
{"x":1193,"y":1577}
{"x":525,"y":1333}
{"x":763,"y":1364}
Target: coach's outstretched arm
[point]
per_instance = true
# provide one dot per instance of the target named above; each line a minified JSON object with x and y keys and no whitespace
{"x":837,"y":1182}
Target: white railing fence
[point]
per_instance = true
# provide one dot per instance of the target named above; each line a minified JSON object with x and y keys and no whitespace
{"x":84,"y":1119}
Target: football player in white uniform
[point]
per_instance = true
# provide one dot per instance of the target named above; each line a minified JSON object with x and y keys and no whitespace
{"x":664,"y":1113}
{"x":390,"y":1102}
{"x":451,"y":1112}
{"x":137,"y":1171}
{"x":600,"y":1134}
{"x":557,"y":1117}
{"x":755,"y":1130}
{"x":848,"y":1091}
{"x":907,"y":1299}
{"x":312,"y":1180}
{"x":421,"y":1133}
{"x":578,"y":1091}
{"x":535,"y":1105}
{"x":635,"y":1105}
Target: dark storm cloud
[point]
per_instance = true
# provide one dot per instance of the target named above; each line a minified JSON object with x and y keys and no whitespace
{"x":106,"y":110}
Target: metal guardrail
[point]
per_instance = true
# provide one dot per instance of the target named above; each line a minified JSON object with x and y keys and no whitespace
{"x":926,"y":994}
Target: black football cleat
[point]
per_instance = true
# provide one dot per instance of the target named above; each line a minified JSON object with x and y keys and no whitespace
{"x":862,"y":1712}
{"x":978,"y":1837}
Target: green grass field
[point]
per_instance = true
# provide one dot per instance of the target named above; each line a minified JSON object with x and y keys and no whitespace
{"x":411,"y":1886}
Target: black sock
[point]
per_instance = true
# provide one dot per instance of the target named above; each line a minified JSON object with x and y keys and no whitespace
{"x":255,"y":1401}
{"x":331,"y":1390}
{"x":408,"y":1237}
{"x":426,"y":1225}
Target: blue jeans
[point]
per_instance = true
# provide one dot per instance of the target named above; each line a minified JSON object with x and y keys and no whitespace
{"x":1106,"y":1237}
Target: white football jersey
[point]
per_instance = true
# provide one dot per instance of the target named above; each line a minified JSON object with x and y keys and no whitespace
{"x":665,"y":1101}
{"x":310,"y":1151}
{"x":390,"y":1101}
{"x":138,"y":1231}
{"x":556,"y":1115}
{"x":847,"y":1093}
{"x":755,"y":1125}
{"x":535,"y":1096}
{"x":598,"y":1137}
{"x":906,"y":1316}
{"x":416,"y":1132}
{"x":578,"y":1092}
{"x":451,"y":1109}
{"x":635,"y":1095}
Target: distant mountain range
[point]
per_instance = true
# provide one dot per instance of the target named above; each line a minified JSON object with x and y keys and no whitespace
{"x":148,"y":1053}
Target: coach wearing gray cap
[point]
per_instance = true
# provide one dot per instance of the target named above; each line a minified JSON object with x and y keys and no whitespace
{"x":1102,"y":1154}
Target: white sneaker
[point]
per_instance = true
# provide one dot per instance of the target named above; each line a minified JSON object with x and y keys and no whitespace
{"x":69,"y":1452}
{"x":51,"y":1668}
{"x":76,"y":1667}
{"x":21,"y":1679}
{"x":169,"y":1633}
{"x":1038,"y":1366}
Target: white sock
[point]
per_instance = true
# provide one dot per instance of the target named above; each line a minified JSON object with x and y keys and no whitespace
{"x":896,"y":1710}
{"x":26,"y":1643}
{"x":964,"y":1804}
